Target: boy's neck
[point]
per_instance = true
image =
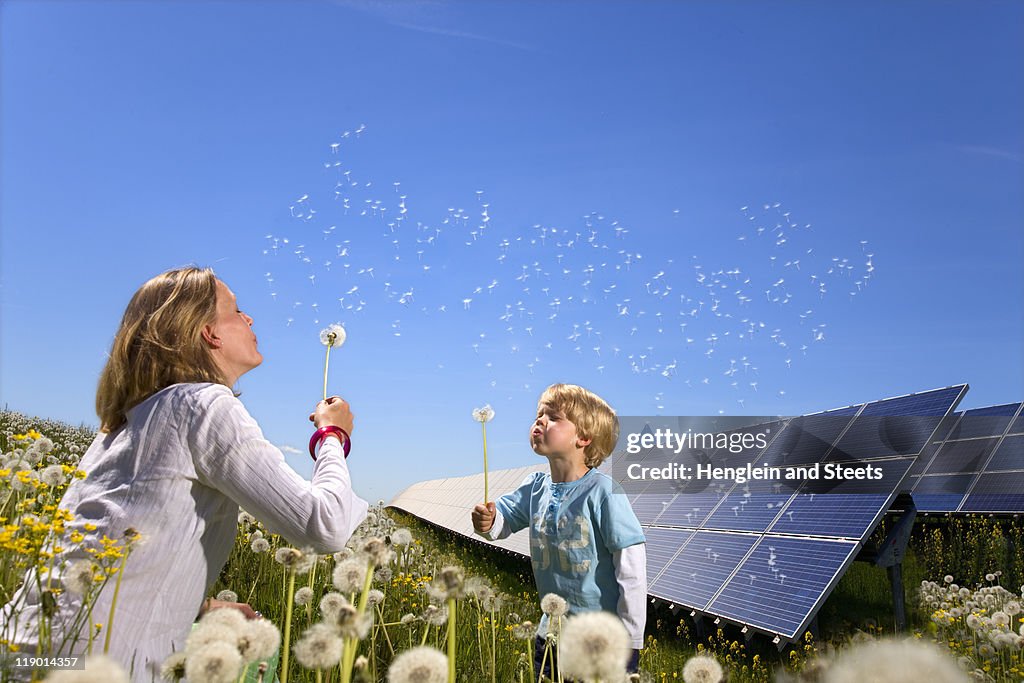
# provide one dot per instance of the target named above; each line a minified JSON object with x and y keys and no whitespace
{"x":567,"y":467}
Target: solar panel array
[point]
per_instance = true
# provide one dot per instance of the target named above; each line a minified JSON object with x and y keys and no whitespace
{"x":765,"y":555}
{"x":760,"y":554}
{"x":976,"y":465}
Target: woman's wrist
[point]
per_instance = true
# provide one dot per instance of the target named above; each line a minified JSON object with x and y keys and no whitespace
{"x":329,"y":430}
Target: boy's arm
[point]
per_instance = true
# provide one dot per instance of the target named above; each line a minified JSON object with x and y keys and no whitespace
{"x":631,"y":575}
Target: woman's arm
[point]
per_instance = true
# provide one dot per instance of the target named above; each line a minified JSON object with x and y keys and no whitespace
{"x":231,"y":455}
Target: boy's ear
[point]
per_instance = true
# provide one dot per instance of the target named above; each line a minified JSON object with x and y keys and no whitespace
{"x":583,"y":443}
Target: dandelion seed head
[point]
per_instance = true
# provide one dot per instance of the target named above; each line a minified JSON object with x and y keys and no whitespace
{"x":451,"y":580}
{"x":78,"y":578}
{"x":401,"y":538}
{"x":260,"y":639}
{"x":350,"y":575}
{"x":524,"y":631}
{"x":377,"y":551}
{"x":484,"y":414}
{"x":374,"y":597}
{"x":419,"y":665}
{"x":435,"y":615}
{"x":554,"y":605}
{"x":260,"y":545}
{"x":330,"y":604}
{"x":52,"y":476}
{"x":408,"y":619}
{"x":216,"y":662}
{"x":333,"y":335}
{"x":383,"y":575}
{"x":209,"y":632}
{"x":245,"y":519}
{"x":228,"y":596}
{"x":342,"y":554}
{"x":223,"y":616}
{"x":319,"y":647}
{"x":173,"y":668}
{"x":594,"y":645}
{"x":304,"y":596}
{"x":702,"y":669}
{"x":908,"y":661}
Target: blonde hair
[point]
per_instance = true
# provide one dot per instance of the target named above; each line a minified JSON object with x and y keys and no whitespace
{"x":593,"y":417}
{"x":159,"y":343}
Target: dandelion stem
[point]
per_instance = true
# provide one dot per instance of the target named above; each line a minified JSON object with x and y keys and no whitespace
{"x":287,"y":627}
{"x":113,"y":602}
{"x":327,"y":361}
{"x":483,"y":425}
{"x":451,"y":640}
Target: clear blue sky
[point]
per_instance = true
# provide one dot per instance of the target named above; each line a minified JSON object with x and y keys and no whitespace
{"x":139,"y":136}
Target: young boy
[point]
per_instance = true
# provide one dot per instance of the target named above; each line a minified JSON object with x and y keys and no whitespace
{"x":586,"y":544}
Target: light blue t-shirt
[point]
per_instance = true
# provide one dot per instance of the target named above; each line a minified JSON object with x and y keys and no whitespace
{"x":575,"y":527}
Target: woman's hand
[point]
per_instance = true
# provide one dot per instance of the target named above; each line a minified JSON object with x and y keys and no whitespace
{"x":244,"y":608}
{"x":334,"y":410}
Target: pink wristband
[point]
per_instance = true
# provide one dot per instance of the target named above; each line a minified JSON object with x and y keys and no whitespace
{"x":322,"y":433}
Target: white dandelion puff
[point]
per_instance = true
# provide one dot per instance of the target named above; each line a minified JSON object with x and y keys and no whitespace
{"x":228,"y":596}
{"x":260,"y":545}
{"x":594,"y":645}
{"x":333,"y":335}
{"x":350,"y":575}
{"x":484,"y":414}
{"x":304,"y":596}
{"x":419,"y":665}
{"x":554,"y":605}
{"x":702,"y":669}
{"x":319,"y":647}
{"x":910,"y":661}
{"x":52,"y":476}
{"x":78,"y":578}
{"x":331,"y":604}
{"x":217,"y":662}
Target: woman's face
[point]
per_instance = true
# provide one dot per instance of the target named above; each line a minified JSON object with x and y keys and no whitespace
{"x":231,"y":338}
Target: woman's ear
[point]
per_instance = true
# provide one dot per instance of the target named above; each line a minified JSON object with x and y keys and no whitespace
{"x":210,"y":337}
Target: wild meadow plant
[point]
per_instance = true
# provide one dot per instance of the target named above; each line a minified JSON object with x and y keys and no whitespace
{"x":404,"y":602}
{"x":36,"y":533}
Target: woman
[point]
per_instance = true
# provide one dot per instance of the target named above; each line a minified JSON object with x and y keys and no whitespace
{"x":176,"y":456}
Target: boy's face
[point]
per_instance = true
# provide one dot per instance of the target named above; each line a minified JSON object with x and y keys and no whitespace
{"x":553,"y":433}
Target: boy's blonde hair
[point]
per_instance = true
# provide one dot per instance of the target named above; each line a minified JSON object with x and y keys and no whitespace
{"x":593,"y":417}
{"x":159,"y":342}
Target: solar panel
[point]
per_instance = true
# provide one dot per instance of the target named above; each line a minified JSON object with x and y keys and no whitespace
{"x":662,"y":545}
{"x":1017,"y":427}
{"x":955,"y":457}
{"x":701,"y":568}
{"x":849,"y":509}
{"x":996,"y":492}
{"x":783,"y":582}
{"x":974,"y":446}
{"x":1009,"y":455}
{"x":941,"y":493}
{"x":988,"y":421}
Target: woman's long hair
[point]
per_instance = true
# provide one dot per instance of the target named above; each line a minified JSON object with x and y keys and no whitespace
{"x":159,"y":343}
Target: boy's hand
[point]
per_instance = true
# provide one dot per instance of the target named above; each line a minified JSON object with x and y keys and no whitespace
{"x":483,"y":517}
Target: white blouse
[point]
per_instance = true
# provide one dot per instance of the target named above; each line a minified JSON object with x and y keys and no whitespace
{"x":177,"y":473}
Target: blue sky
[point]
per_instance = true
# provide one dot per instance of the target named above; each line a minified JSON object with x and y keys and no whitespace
{"x":577,"y":171}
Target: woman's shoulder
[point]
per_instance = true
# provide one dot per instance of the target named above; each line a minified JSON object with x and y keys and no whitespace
{"x":187,"y":396}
